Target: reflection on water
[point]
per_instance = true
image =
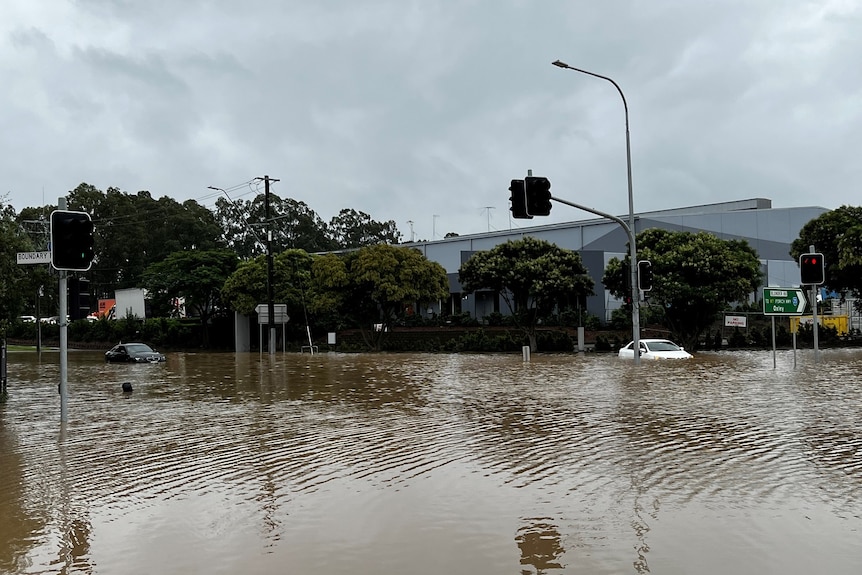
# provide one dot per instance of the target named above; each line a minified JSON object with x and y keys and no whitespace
{"x":222,"y":463}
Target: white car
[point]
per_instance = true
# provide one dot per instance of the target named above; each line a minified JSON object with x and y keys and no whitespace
{"x":655,"y":349}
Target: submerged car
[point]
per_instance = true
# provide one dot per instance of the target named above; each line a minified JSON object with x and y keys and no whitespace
{"x":655,"y":349}
{"x":133,"y":353}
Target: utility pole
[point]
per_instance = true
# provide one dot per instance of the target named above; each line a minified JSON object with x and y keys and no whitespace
{"x":269,"y":274}
{"x":412,"y":237}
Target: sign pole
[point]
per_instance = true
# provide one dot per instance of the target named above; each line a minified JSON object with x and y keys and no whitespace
{"x":783,"y":301}
{"x":794,"y":347}
{"x":774,"y":364}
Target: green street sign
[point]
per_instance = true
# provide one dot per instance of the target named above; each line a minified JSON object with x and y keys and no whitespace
{"x":783,"y":301}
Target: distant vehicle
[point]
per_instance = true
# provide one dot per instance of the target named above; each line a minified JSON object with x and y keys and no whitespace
{"x":27,"y":319}
{"x":133,"y":353}
{"x":655,"y":349}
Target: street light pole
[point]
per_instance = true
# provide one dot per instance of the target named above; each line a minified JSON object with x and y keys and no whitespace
{"x":632,"y":248}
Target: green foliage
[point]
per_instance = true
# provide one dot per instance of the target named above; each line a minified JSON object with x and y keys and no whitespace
{"x":160,"y":332}
{"x":696,"y":276}
{"x":838,"y":236}
{"x":15,"y":282}
{"x":608,"y":343}
{"x":481,"y":341}
{"x":352,"y":229}
{"x":533,"y":277}
{"x":246,"y":288}
{"x":374,"y":286}
{"x":737,"y":339}
{"x":198,"y":276}
{"x":133,"y":231}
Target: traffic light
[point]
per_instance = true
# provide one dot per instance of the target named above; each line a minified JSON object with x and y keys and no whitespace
{"x":519,"y":200}
{"x":538,"y":192}
{"x":644,"y":275}
{"x":812,"y":269}
{"x":79,"y":298}
{"x":71,"y":240}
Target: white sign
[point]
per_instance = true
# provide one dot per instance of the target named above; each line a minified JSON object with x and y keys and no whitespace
{"x":735,"y":321}
{"x":279,"y":310}
{"x":34,"y":258}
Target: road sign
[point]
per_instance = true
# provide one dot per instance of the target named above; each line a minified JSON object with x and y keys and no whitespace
{"x":783,"y":301}
{"x":34,"y":258}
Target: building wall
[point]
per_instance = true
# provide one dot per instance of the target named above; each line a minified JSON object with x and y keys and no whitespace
{"x":770,"y":231}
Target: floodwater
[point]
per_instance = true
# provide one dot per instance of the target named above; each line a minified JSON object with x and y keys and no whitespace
{"x":434,"y":464}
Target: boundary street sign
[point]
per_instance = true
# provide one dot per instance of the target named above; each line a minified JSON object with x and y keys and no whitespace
{"x":784,"y":301}
{"x":34,"y":258}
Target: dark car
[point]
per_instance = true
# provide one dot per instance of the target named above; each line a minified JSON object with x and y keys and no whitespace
{"x":133,"y":353}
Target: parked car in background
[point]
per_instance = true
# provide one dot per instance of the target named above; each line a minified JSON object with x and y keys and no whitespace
{"x":133,"y":353}
{"x":655,"y":349}
{"x":27,"y":319}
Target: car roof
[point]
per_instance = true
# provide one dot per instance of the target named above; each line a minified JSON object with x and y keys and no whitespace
{"x":651,"y":339}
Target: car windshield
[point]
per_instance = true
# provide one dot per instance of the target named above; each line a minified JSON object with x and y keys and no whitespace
{"x":663,"y":346}
{"x":133,"y":348}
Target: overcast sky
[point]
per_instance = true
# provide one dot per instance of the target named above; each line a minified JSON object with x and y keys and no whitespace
{"x":424,"y":110}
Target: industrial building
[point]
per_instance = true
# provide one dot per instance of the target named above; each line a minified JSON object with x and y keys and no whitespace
{"x":770,"y":231}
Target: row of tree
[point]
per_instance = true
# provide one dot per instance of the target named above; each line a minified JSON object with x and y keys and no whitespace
{"x":350,"y":273}
{"x":135,"y":231}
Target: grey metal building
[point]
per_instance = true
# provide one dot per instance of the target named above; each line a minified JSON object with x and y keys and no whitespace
{"x":770,"y":231}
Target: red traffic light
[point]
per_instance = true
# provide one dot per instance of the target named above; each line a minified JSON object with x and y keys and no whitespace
{"x":812,"y":270}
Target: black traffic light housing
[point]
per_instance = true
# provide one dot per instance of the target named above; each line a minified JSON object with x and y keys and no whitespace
{"x":518,"y":200}
{"x":538,"y":192}
{"x":79,"y":298}
{"x":71,"y":240}
{"x":644,"y":275}
{"x":812,"y":269}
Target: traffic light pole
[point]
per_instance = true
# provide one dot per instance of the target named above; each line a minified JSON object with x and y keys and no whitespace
{"x":814,"y":315}
{"x":64,"y":337}
{"x":636,"y":327}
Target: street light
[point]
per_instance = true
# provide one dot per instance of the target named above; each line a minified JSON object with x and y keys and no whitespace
{"x":633,"y":249}
{"x":241,"y":216}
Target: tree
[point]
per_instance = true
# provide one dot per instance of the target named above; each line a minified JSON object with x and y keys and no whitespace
{"x":373,"y":286}
{"x":245,"y":289}
{"x":133,"y":231}
{"x":695,"y":277}
{"x":195,"y":275}
{"x":533,"y":277}
{"x":238,"y":233}
{"x":294,"y":225}
{"x":838,"y":236}
{"x":352,"y":229}
{"x":14,"y":284}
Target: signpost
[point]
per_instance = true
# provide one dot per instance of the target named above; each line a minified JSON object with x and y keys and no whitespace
{"x":783,"y":301}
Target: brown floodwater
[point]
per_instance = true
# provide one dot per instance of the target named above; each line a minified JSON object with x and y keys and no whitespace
{"x":433,"y":464}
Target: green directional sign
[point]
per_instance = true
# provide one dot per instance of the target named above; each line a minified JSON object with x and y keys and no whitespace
{"x":783,"y":301}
